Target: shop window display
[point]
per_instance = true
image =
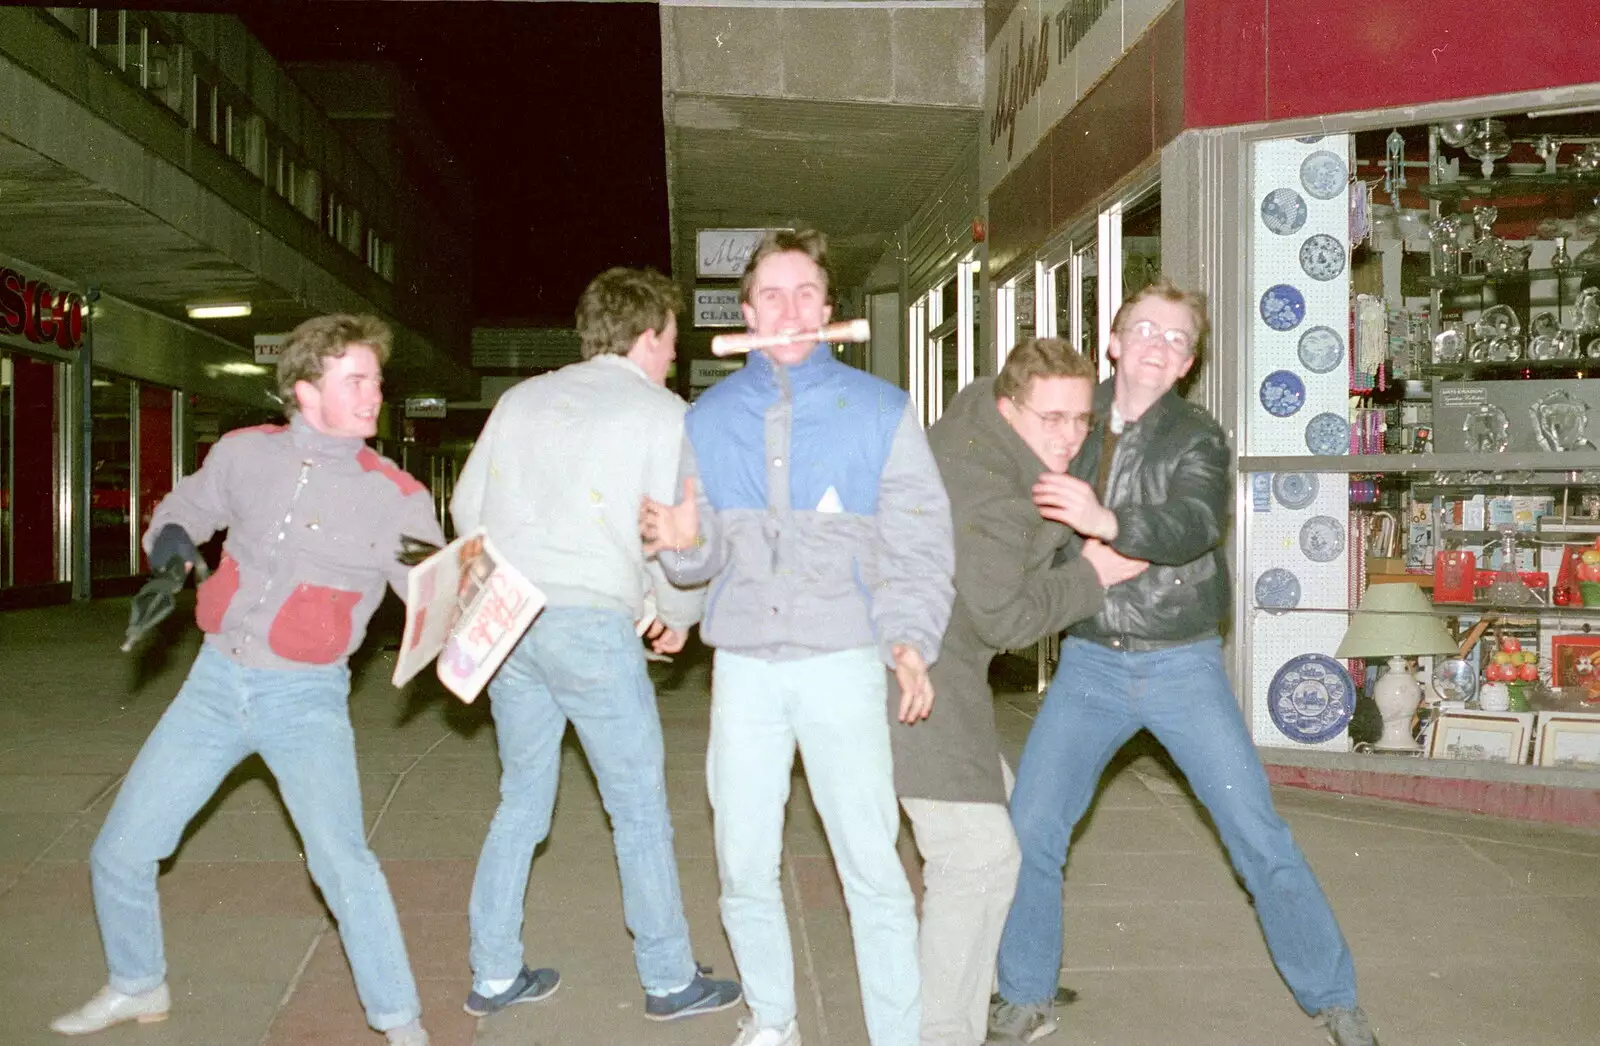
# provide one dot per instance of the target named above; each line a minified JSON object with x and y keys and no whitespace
{"x":29,"y":470}
{"x":1421,"y":411}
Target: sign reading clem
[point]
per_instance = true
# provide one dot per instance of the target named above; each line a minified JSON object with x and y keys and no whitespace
{"x":37,"y":311}
{"x":717,"y":307}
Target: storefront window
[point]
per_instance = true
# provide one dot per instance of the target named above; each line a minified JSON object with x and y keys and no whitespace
{"x":1141,"y":244}
{"x":29,"y":470}
{"x":1026,"y":315}
{"x":1425,"y":326}
{"x":155,"y":449}
{"x":111,"y":533}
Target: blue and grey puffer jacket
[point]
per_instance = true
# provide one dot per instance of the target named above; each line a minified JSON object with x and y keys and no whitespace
{"x":824,"y":524}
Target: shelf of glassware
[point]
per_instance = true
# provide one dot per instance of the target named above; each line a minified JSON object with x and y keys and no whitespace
{"x":1504,"y":370}
{"x":1573,"y":461}
{"x":1510,"y":185}
{"x":1475,"y":281}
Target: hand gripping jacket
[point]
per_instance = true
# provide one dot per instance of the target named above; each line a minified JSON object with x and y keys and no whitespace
{"x":314,"y":523}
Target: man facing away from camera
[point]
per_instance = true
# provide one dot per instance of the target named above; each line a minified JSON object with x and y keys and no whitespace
{"x":1019,"y":578}
{"x":1155,"y":483}
{"x":819,"y":518}
{"x":556,"y":480}
{"x":314,"y":519}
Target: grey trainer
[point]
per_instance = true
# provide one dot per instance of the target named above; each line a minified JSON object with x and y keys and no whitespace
{"x":1347,"y":1027}
{"x":1011,"y":1023}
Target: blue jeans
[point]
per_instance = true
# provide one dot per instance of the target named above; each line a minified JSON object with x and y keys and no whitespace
{"x":832,"y":706}
{"x":298,"y":720}
{"x":587,"y":666}
{"x":1099,"y":698}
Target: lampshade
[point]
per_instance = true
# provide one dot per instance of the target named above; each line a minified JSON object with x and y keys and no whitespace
{"x":1395,"y":619}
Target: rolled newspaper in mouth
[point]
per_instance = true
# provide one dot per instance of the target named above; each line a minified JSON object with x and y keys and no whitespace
{"x":844,"y":331}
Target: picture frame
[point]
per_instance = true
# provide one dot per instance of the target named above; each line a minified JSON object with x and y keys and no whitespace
{"x":1500,"y":737}
{"x":1574,"y":659}
{"x":1568,"y":739}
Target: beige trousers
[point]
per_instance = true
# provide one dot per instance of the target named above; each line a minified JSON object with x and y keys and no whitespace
{"x":969,"y":873}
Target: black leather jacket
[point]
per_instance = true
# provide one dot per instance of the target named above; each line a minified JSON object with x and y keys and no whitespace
{"x":1171,"y":487}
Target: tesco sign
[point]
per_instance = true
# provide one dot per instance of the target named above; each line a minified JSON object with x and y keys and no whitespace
{"x":34,"y":310}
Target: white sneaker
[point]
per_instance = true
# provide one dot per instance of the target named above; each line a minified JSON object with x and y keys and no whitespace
{"x":751,"y":1035}
{"x":408,"y":1035}
{"x":109,"y":1007}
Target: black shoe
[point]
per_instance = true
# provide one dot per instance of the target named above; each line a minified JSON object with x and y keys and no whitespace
{"x":530,"y":986}
{"x":702,"y":995}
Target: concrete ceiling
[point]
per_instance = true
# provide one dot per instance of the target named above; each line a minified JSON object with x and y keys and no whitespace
{"x":855,"y":170}
{"x":842,"y":117}
{"x":86,"y":233}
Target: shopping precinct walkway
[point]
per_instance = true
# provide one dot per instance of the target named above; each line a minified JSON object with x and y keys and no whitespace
{"x":1466,"y":931}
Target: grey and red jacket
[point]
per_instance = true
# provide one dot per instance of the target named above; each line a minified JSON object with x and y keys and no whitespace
{"x":314,"y":522}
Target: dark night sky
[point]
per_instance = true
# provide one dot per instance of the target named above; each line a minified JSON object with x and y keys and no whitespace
{"x":554,"y":109}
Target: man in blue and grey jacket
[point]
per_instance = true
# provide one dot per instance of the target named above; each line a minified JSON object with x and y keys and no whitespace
{"x":815,"y":509}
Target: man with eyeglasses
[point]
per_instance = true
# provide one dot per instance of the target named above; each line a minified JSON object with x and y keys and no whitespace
{"x":1019,"y":577}
{"x":1154,"y":483}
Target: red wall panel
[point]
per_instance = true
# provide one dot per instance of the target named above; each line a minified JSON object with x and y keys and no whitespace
{"x":1339,"y":55}
{"x":1253,"y":60}
{"x":34,"y":458}
{"x":1224,"y":62}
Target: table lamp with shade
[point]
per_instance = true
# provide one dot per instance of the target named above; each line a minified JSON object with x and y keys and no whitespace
{"x":1396,"y":621}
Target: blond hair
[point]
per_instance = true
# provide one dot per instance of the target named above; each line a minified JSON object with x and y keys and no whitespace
{"x":1163,"y":288}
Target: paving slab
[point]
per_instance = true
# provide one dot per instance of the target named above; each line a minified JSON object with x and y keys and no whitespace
{"x":1467,"y":931}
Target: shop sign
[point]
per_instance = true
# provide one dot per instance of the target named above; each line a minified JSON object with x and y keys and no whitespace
{"x":705,"y":373}
{"x":34,"y":310}
{"x":717,"y":307}
{"x":725,"y":252}
{"x":269,"y":347}
{"x":425,"y":406}
{"x":1046,"y":57}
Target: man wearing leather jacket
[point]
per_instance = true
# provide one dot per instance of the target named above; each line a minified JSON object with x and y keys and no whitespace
{"x":1154,"y":483}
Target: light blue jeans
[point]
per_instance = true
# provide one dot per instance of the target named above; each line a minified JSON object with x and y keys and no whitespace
{"x":1100,"y":698}
{"x":298,"y":720}
{"x":832,"y":706}
{"x":585,"y":666}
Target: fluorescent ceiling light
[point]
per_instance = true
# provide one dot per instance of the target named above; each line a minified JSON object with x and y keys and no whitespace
{"x":235,"y":368}
{"x":220,"y":311}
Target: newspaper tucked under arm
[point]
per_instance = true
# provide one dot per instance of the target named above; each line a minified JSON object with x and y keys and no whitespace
{"x":466,"y":607}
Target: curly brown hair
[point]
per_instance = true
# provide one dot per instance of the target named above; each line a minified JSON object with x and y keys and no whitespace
{"x":323,"y":338}
{"x":619,"y":305}
{"x":1040,"y":358}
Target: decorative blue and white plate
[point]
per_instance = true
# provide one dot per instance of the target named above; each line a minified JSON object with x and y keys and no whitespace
{"x":1283,"y":307}
{"x":1322,"y":539}
{"x":1322,"y":257}
{"x":1311,"y":698}
{"x":1328,"y":433}
{"x":1283,"y":393}
{"x":1277,"y":590}
{"x":1323,"y":174}
{"x":1294,"y":490}
{"x":1283,"y":211}
{"x":1321,"y":349}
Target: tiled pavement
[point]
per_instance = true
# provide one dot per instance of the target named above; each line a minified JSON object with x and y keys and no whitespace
{"x":1467,"y":931}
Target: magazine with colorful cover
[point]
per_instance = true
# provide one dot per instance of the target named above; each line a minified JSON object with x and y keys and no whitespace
{"x":466,"y":607}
